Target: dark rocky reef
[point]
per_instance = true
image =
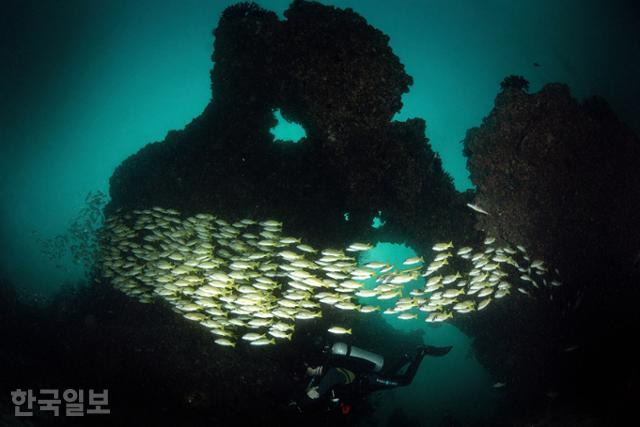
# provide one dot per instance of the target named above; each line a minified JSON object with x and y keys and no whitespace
{"x":557,"y":175}
{"x":160,"y":368}
{"x":562,"y":178}
{"x":330,"y":71}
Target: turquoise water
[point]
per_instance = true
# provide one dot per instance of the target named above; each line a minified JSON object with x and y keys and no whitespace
{"x":122,"y":74}
{"x":286,"y":131}
{"x":117,"y":75}
{"x":455,"y":384}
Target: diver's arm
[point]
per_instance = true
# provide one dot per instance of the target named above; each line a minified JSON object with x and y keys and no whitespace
{"x":331,"y":378}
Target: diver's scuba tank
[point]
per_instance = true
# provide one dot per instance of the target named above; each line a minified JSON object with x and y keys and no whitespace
{"x":373,"y":361}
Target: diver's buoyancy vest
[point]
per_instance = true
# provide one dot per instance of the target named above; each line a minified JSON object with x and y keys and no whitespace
{"x":374,"y":361}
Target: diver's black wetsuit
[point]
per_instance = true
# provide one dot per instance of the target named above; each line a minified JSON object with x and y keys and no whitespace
{"x":394,"y":377}
{"x":346,"y":371}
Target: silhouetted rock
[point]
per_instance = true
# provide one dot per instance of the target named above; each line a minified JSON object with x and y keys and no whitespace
{"x":559,"y":177}
{"x":514,"y":82}
{"x":330,"y":71}
{"x":562,"y":178}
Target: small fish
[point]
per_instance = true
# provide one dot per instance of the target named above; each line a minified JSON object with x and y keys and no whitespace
{"x":438,"y":317}
{"x":376,"y":264}
{"x":279,"y":334}
{"x":452,"y":293}
{"x":434,"y":280}
{"x":263,"y":341}
{"x":289,"y":240}
{"x":439,"y":247}
{"x":465,"y":250}
{"x":484,"y":303}
{"x":436,"y":265}
{"x":501,"y":293}
{"x":413,"y":261}
{"x":195,"y":316}
{"x":407,"y":316}
{"x":356,"y":247}
{"x":485,"y":292}
{"x":366,"y":293}
{"x":451,"y":278}
{"x":389,"y":295}
{"x":537,"y":263}
{"x":402,"y":278}
{"x":501,"y":258}
{"x":499,"y":385}
{"x":477,"y":209}
{"x":432,"y":288}
{"x":225,"y":342}
{"x":339,"y":330}
{"x":489,"y":240}
{"x":306,"y":248}
{"x":251,"y":336}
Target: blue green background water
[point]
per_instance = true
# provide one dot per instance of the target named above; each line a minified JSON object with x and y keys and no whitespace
{"x":87,"y":83}
{"x":455,"y":384}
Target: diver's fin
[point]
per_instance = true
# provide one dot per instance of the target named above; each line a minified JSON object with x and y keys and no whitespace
{"x":436,"y":351}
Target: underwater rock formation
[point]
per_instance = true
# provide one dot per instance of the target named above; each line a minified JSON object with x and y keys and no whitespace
{"x":543,"y":164}
{"x":330,"y":71}
{"x":160,"y":367}
{"x":561,"y":177}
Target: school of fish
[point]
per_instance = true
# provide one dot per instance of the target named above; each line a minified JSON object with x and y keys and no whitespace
{"x":79,"y":239}
{"x":246,"y":280}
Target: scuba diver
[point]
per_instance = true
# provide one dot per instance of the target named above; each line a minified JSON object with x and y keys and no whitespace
{"x":350,"y":370}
